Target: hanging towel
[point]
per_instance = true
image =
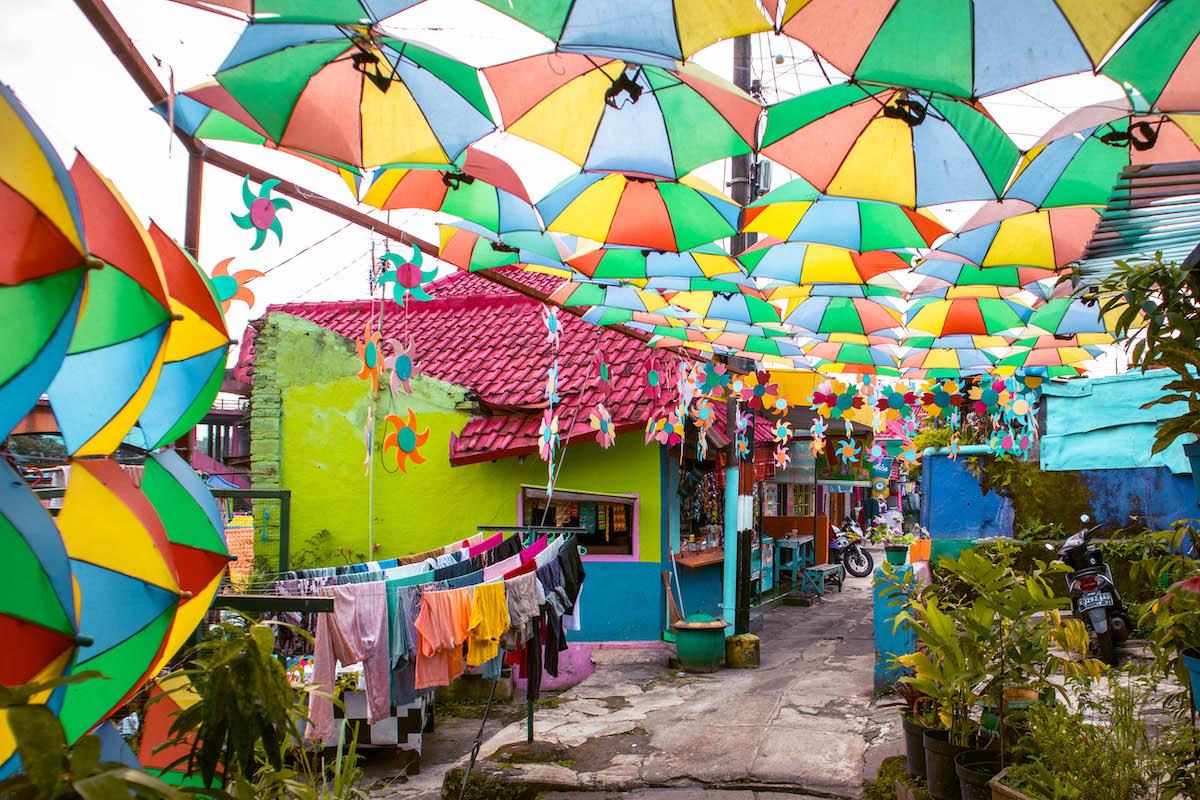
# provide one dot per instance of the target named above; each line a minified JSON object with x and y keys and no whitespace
{"x":442,"y":626}
{"x":355,"y":631}
{"x":489,"y":621}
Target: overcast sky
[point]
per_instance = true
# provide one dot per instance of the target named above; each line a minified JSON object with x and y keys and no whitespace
{"x":84,"y":100}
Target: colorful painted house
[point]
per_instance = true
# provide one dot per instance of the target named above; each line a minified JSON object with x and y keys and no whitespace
{"x":482,"y":354}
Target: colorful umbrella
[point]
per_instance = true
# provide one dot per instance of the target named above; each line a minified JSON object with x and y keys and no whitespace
{"x":481,"y":206}
{"x":194,"y":357}
{"x":629,"y":298}
{"x":890,"y":144}
{"x":1045,"y":239}
{"x":849,"y":357}
{"x":1069,"y":317}
{"x":644,"y":33}
{"x":797,"y":263}
{"x":639,"y":212}
{"x":116,"y":350}
{"x":197,"y":541}
{"x":128,"y":588}
{"x":960,"y":47}
{"x":360,"y":100}
{"x":727,"y":307}
{"x":796,"y":212}
{"x":332,"y":12}
{"x":705,"y":261}
{"x":842,"y":315}
{"x":966,"y":315}
{"x":470,"y":251}
{"x":41,"y":260}
{"x":947,"y":362}
{"x":1048,"y":357}
{"x":1158,"y":65}
{"x":615,"y":116}
{"x":938,"y":271}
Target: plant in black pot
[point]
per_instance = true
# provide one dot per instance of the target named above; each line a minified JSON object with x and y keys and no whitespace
{"x":1162,"y":298}
{"x":918,"y":715}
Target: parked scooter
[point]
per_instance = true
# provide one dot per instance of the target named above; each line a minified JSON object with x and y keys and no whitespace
{"x":847,"y":545}
{"x":1094,"y":597}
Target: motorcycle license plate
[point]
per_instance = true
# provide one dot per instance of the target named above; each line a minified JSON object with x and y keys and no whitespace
{"x":1095,"y":600}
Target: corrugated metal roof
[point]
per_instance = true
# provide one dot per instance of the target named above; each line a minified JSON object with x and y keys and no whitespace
{"x":1152,"y":207}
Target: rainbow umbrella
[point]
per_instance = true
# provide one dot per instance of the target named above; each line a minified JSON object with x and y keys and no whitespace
{"x":479,"y":205}
{"x":1065,"y":316}
{"x":616,"y":116}
{"x":116,"y":349}
{"x":1094,"y":341}
{"x":647,"y":33}
{"x":818,"y":315}
{"x":705,"y":261}
{"x":850,"y":357}
{"x":966,"y":315}
{"x":796,"y":212}
{"x":947,"y":362}
{"x":332,"y":12}
{"x":41,"y":260}
{"x":127,"y":586}
{"x":895,"y":145}
{"x":792,"y":291}
{"x":628,"y":298}
{"x":1079,"y":169}
{"x":194,"y":357}
{"x":470,"y":251}
{"x":352,"y":97}
{"x":960,"y":47}
{"x":739,"y":307}
{"x":196,"y":536}
{"x":1048,"y":357}
{"x":938,"y":271}
{"x":1158,"y":65}
{"x":798,"y":263}
{"x":1047,"y":239}
{"x":639,"y":212}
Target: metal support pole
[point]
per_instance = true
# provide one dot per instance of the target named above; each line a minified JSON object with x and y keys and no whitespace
{"x":729,"y":574}
{"x":741,"y":623}
{"x":740,"y":177}
{"x":191,"y":220}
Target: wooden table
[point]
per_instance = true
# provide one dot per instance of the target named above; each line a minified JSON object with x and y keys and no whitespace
{"x":794,"y":553}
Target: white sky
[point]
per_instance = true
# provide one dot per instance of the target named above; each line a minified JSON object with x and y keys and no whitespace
{"x":83,"y":99}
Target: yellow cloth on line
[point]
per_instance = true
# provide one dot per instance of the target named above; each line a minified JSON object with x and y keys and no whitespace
{"x":489,"y":621}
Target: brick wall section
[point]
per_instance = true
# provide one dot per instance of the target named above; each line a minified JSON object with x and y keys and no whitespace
{"x":266,"y":423}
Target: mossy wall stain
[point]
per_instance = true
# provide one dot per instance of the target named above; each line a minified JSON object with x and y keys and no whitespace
{"x":1039,"y":498}
{"x":307,"y":418}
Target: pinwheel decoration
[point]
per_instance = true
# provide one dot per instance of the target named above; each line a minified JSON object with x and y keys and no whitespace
{"x":602,"y":423}
{"x":782,"y":457}
{"x":262,"y":212}
{"x":953,"y":447}
{"x":876,"y":454}
{"x":548,"y":436}
{"x":686,"y":386}
{"x":848,"y":451}
{"x":941,"y":397}
{"x":653,"y":380}
{"x":783,"y":432}
{"x":402,"y":367}
{"x":896,"y":401}
{"x":553,"y":327}
{"x":833,"y":399}
{"x":232,"y":286}
{"x":370,"y":358}
{"x":762,"y":393}
{"x":667,"y":429}
{"x":715,"y":379}
{"x":407,"y":275}
{"x":908,"y":453}
{"x":704,"y":416}
{"x":603,"y":374}
{"x":552,"y":384}
{"x":405,"y":439}
{"x":989,"y":396}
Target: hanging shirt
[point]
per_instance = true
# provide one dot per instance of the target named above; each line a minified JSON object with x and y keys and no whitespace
{"x":489,"y":621}
{"x":355,"y":631}
{"x":442,"y":627}
{"x":525,"y":597}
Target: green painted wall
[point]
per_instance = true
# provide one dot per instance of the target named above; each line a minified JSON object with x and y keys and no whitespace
{"x":307,"y":421}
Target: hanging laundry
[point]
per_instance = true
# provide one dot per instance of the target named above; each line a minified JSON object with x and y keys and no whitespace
{"x":489,"y":621}
{"x":355,"y":631}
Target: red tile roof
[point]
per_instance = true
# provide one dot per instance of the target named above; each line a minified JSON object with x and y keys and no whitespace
{"x":492,"y":341}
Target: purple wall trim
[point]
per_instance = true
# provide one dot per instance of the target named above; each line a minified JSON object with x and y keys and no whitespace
{"x":635,"y":534}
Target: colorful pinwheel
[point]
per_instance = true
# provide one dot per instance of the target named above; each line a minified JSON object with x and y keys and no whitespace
{"x":262,"y":212}
{"x":197,"y":345}
{"x":782,"y":457}
{"x":551,"y":390}
{"x":401,"y":366}
{"x":667,"y":429}
{"x":408,"y":277}
{"x":760,"y":395}
{"x":548,"y":437}
{"x":896,"y":401}
{"x":405,"y":439}
{"x":835,"y":399}
{"x":783,"y":432}
{"x":895,"y":145}
{"x":127,"y":587}
{"x":848,"y":451}
{"x":553,"y":326}
{"x":639,"y":212}
{"x":602,"y":423}
{"x":370,"y":355}
{"x":116,"y":350}
{"x":230,"y":287}
{"x":42,"y":260}
{"x":988,"y":396}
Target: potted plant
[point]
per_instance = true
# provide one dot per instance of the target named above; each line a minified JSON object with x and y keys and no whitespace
{"x":1163,"y":299}
{"x":1173,"y":622}
{"x":918,"y":715}
{"x":896,"y":547}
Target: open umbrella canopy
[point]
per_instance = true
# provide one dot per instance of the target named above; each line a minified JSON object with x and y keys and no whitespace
{"x":194,"y":357}
{"x":1048,"y":357}
{"x":797,"y":263}
{"x":947,"y":362}
{"x":657,"y":32}
{"x":740,"y":307}
{"x":1046,"y":239}
{"x":937,"y":272}
{"x":616,"y":116}
{"x":470,"y":251}
{"x":895,"y":145}
{"x":196,"y":537}
{"x":479,"y":205}
{"x":966,"y":315}
{"x":1064,"y":316}
{"x":332,"y":12}
{"x":42,"y":260}
{"x":358,"y":99}
{"x":796,"y":212}
{"x":618,"y":296}
{"x":849,"y":357}
{"x":706,"y":261}
{"x":116,"y":349}
{"x":981,"y":48}
{"x":1159,"y":64}
{"x":128,"y":588}
{"x":639,"y":212}
{"x":821,"y":315}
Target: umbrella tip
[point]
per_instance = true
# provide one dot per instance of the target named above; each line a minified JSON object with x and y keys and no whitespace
{"x":185,"y":595}
{"x":84,"y":641}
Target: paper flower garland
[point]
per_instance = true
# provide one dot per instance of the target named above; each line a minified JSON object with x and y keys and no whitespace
{"x":603,"y":374}
{"x":230,"y":287}
{"x":668,"y":430}
{"x":833,"y":399}
{"x":405,"y":439}
{"x":876,"y":454}
{"x":848,"y":451}
{"x":548,"y":436}
{"x":817,"y":431}
{"x":602,"y":424}
{"x":407,"y":276}
{"x":262,"y":212}
{"x":553,"y":328}
{"x":989,"y":396}
{"x":369,"y":357}
{"x":401,"y":367}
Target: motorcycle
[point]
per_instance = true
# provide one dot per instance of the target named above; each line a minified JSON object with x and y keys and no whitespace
{"x":847,"y":546}
{"x":1094,"y":597}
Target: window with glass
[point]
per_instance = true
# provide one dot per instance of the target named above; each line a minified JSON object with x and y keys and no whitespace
{"x":607,"y":519}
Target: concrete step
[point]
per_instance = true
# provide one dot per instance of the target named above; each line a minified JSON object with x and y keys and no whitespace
{"x":660,"y":656}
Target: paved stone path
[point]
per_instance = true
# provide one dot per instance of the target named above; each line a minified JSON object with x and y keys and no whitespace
{"x":804,"y":723}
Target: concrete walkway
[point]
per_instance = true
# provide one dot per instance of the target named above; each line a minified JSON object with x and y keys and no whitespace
{"x":804,"y":723}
